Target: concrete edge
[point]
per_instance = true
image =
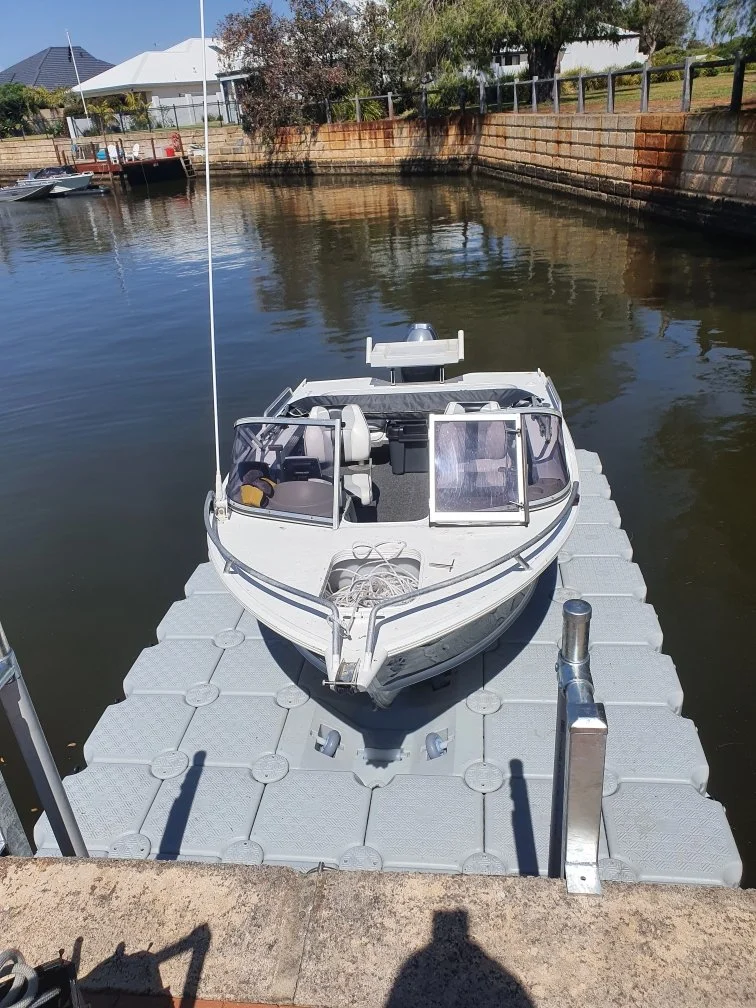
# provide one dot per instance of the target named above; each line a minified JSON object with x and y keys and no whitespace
{"x":270,"y":935}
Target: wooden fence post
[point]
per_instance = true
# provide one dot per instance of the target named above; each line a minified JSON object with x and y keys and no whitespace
{"x":390,"y":97}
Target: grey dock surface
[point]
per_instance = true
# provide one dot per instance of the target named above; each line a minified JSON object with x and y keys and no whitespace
{"x":212,"y":755}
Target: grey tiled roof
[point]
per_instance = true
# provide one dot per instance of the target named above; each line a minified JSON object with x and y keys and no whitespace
{"x":53,"y":68}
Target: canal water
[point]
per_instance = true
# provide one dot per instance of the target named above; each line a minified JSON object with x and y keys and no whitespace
{"x":648,"y":329}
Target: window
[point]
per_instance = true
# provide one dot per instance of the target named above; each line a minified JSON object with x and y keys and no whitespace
{"x":548,"y":473}
{"x":511,"y":59}
{"x":477,"y":469}
{"x":286,"y":469}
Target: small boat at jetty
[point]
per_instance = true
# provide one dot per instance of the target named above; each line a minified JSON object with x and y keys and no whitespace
{"x":65,"y":178}
{"x":18,"y":192}
{"x":393,"y":528}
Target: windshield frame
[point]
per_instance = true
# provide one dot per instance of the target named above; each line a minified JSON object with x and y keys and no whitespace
{"x":269,"y":512}
{"x":519,"y":516}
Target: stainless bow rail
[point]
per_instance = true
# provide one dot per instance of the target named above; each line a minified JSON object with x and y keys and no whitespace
{"x":327,"y":609}
{"x":579,"y":755}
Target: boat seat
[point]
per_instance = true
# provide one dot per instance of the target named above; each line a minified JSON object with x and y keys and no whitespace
{"x":317,"y":440}
{"x":455,"y":408}
{"x":356,"y":444}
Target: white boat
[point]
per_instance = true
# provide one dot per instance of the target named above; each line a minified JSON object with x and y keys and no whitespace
{"x":392,"y":529}
{"x":65,"y":179}
{"x":16,"y":193}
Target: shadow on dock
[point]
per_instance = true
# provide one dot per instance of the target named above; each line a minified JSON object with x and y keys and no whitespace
{"x":139,"y":972}
{"x":455,"y":971}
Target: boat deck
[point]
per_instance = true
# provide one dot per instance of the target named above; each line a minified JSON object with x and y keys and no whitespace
{"x":212,"y":755}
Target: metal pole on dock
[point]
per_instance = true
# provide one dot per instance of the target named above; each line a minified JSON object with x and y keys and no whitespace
{"x":16,"y":840}
{"x":579,"y":755}
{"x":19,"y":709}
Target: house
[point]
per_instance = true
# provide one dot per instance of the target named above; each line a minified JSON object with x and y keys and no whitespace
{"x":53,"y":68}
{"x":595,"y":56}
{"x":169,"y":79}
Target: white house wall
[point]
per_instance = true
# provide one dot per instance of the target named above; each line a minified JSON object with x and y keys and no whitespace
{"x":595,"y":56}
{"x":600,"y":55}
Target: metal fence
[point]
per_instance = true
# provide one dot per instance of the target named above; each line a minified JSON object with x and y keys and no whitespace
{"x":153,"y":117}
{"x":581,"y":92}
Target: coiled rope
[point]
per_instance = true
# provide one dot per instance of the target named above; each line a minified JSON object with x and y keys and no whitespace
{"x":24,"y":983}
{"x":376,"y":579}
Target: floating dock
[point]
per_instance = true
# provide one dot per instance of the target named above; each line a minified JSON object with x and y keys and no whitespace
{"x":214,"y":755}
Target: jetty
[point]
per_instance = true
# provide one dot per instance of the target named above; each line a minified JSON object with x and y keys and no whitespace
{"x":214,"y":754}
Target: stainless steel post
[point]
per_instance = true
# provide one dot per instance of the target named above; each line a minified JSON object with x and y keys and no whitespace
{"x":687,"y":88}
{"x":19,"y":709}
{"x":580,"y":93}
{"x":579,"y":755}
{"x":738,"y":79}
{"x":534,"y":94}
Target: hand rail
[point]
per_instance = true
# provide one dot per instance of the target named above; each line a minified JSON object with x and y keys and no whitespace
{"x":263,"y":581}
{"x":515,"y":554}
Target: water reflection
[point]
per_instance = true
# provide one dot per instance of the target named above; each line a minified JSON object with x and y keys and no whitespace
{"x":648,"y":331}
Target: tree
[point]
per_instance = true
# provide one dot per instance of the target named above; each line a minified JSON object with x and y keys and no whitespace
{"x":659,"y":23}
{"x":730,"y":18}
{"x":457,"y":31}
{"x":324,"y":50}
{"x":14,"y":108}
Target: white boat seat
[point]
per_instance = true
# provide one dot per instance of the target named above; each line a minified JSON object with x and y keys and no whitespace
{"x":355,"y":435}
{"x":454,"y":407}
{"x":490,"y":407}
{"x":356,"y":442}
{"x":317,"y":440}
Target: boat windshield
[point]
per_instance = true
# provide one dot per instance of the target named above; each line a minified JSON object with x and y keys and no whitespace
{"x":490,"y":466}
{"x":548,"y":472}
{"x":478,"y":469}
{"x":286,"y":469}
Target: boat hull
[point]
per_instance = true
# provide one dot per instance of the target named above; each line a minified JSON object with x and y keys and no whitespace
{"x":448,"y":651}
{"x":19,"y":194}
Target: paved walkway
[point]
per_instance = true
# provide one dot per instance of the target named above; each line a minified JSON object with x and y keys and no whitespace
{"x":233,"y":933}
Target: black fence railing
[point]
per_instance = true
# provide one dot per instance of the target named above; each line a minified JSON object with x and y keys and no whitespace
{"x":586,"y":92}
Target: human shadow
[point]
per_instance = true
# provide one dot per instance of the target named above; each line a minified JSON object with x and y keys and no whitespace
{"x":453,"y":971}
{"x":181,"y":809}
{"x":139,"y":972}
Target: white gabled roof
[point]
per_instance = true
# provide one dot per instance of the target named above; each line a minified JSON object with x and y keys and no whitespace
{"x":181,"y":64}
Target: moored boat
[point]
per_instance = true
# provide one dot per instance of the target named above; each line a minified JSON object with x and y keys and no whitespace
{"x":16,"y":193}
{"x":65,"y":178}
{"x":392,"y":529}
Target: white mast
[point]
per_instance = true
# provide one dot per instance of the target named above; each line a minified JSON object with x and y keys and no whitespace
{"x":76,"y":70}
{"x":221,"y":509}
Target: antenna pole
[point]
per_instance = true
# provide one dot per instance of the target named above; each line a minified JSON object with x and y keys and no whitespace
{"x":221,"y":510}
{"x":76,"y":70}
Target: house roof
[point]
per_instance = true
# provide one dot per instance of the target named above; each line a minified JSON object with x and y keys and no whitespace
{"x":53,"y":68}
{"x":181,"y":64}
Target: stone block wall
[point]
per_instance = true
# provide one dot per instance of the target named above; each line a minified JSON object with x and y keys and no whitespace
{"x":700,"y":166}
{"x":19,"y":155}
{"x":695,"y":166}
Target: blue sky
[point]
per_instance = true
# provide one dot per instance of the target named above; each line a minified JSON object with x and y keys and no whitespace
{"x":109,"y":31}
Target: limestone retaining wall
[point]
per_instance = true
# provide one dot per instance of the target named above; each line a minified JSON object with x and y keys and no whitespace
{"x":695,"y":166}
